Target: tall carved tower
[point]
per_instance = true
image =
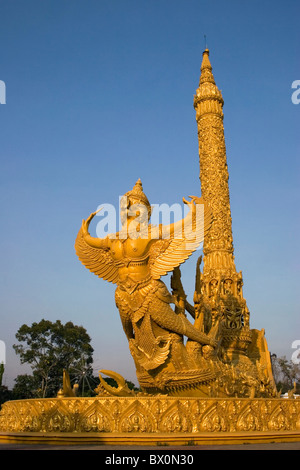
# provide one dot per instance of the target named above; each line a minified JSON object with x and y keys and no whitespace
{"x":219,"y":269}
{"x":219,"y":292}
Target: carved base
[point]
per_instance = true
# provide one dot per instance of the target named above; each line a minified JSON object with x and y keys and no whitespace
{"x":145,"y":439}
{"x":150,"y":420}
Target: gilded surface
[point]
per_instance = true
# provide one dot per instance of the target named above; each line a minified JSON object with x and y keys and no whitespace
{"x":135,"y":262}
{"x":216,"y":353}
{"x":149,"y":415}
{"x":208,"y":375}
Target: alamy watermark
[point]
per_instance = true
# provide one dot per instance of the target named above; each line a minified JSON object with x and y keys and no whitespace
{"x":2,"y":352}
{"x":296,"y":94}
{"x":2,"y":92}
{"x":296,"y":354}
{"x":167,"y":221}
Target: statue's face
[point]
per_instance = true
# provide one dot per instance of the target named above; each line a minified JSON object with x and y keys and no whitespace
{"x":124,"y":204}
{"x":132,"y":210}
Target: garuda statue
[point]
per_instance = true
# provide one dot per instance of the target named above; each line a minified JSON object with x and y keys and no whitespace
{"x":218,"y":354}
{"x":134,"y":259}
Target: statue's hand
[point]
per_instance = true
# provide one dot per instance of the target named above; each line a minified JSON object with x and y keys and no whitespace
{"x":194,"y":200}
{"x":85,"y":223}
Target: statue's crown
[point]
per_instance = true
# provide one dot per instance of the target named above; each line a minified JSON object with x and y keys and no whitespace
{"x":137,"y":194}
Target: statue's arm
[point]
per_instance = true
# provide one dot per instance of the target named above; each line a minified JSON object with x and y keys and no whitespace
{"x":190,"y":308}
{"x":177,"y":228}
{"x":93,"y":241}
{"x":168,"y":320}
{"x":178,"y":292}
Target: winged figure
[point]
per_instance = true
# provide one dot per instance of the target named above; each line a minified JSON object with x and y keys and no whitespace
{"x":135,"y":260}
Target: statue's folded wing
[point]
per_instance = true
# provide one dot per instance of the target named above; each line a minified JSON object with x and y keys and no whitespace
{"x":97,"y":260}
{"x":168,"y":253}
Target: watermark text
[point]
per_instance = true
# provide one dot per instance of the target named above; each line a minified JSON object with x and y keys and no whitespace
{"x":2,"y":352}
{"x":296,"y":94}
{"x":2,"y":92}
{"x":296,"y":354}
{"x":167,"y":221}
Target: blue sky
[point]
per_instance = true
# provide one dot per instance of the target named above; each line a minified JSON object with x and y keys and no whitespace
{"x":99,"y":94}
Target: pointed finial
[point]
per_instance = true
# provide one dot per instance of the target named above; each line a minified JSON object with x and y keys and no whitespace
{"x":139,"y":184}
{"x":205,"y":43}
{"x":205,"y":60}
{"x":137,"y":194}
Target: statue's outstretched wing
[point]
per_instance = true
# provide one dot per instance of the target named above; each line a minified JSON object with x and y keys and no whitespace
{"x":167,"y":254}
{"x":97,"y":260}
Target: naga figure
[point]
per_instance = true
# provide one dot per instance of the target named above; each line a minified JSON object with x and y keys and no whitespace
{"x":134,"y":259}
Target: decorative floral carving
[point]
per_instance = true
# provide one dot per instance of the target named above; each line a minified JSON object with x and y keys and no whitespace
{"x":150,"y":415}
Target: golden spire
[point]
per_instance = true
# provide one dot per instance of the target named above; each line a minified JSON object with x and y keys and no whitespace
{"x":208,"y":97}
{"x":206,"y":68}
{"x":218,"y":245}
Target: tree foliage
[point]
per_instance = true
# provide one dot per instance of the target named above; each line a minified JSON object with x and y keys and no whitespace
{"x":26,"y":386}
{"x":286,"y":373}
{"x":5,"y":394}
{"x":49,"y":348}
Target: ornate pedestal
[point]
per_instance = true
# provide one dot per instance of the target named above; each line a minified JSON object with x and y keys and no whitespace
{"x":150,"y":421}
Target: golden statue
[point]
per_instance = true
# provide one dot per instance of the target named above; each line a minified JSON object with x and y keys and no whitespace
{"x":135,"y":259}
{"x":185,"y":369}
{"x":219,"y":355}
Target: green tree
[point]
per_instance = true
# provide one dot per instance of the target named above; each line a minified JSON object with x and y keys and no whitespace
{"x":286,"y":373}
{"x":5,"y":394}
{"x":26,"y":386}
{"x":1,"y":373}
{"x":49,"y":348}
